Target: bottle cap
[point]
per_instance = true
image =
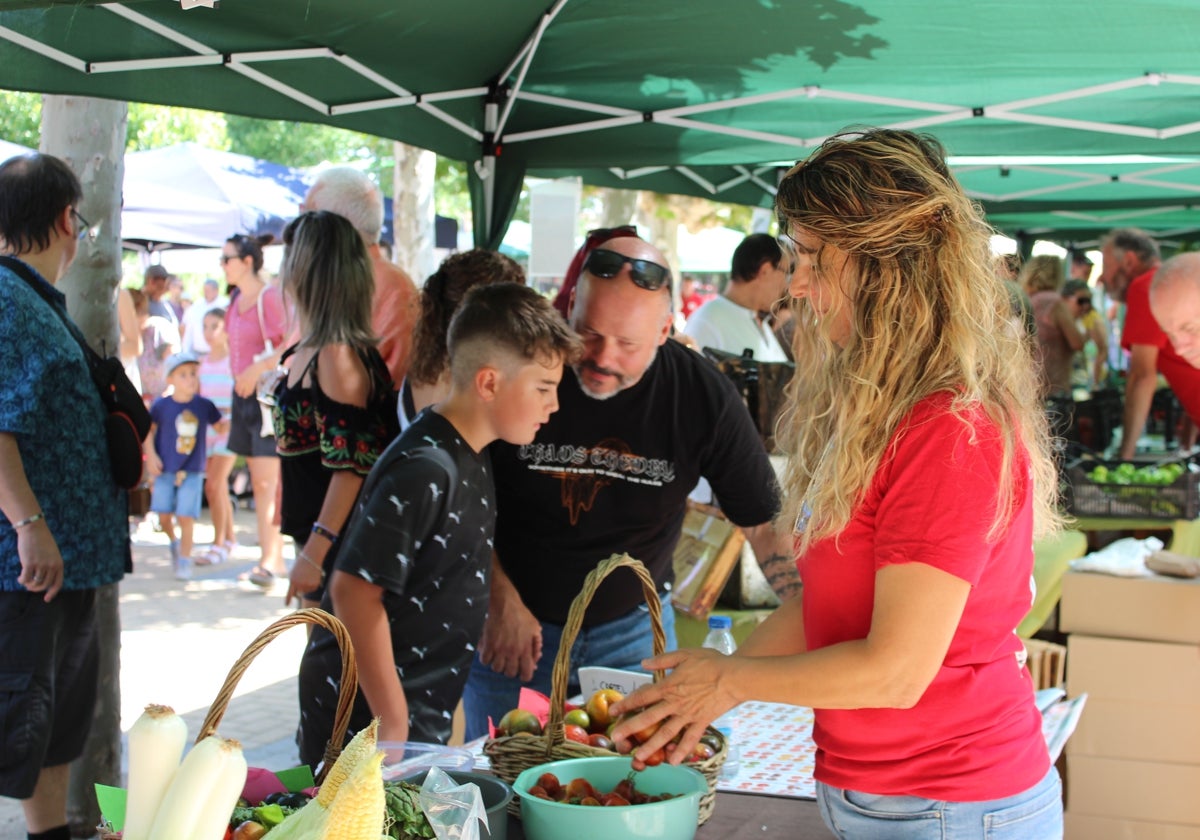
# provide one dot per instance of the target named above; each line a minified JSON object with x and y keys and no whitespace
{"x":719,"y":622}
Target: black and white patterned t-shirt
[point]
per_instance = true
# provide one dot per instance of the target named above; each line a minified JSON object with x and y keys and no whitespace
{"x":422,"y":530}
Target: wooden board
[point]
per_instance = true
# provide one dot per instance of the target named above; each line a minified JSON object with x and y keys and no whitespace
{"x":708,"y":549}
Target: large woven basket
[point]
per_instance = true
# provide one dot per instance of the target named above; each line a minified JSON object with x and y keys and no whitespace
{"x":349,"y":685}
{"x":511,"y":754}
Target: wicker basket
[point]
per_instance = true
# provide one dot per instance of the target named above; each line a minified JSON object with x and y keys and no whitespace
{"x":511,"y":754}
{"x":349,"y":685}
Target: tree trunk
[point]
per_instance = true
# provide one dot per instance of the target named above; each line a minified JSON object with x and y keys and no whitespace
{"x":413,"y":211}
{"x":89,"y":134}
{"x":619,"y":206}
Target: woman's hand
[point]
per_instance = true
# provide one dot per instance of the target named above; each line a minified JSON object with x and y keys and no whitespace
{"x":694,"y":694}
{"x":246,"y":383}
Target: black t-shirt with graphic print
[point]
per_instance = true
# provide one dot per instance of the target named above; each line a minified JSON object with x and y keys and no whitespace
{"x":610,"y":476}
{"x":422,"y":530}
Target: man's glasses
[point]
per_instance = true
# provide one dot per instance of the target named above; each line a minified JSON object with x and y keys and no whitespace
{"x":608,"y":264}
{"x":84,"y":229}
{"x":1084,"y":301}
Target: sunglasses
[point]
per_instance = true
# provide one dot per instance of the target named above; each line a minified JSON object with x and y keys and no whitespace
{"x":645,"y":274}
{"x":227,"y":257}
{"x":1084,"y":301}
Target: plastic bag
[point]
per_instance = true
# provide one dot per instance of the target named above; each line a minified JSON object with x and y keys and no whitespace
{"x":452,"y":809}
{"x":1123,"y":558}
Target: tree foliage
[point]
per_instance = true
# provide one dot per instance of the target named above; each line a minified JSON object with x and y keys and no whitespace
{"x":21,"y":117}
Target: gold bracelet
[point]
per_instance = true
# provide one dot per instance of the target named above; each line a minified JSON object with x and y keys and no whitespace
{"x":29,"y":520}
{"x":304,"y":556}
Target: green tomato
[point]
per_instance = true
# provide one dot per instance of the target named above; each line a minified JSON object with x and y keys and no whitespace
{"x":578,"y":717}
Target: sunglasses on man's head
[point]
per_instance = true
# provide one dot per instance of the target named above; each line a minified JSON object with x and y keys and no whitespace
{"x":608,"y":264}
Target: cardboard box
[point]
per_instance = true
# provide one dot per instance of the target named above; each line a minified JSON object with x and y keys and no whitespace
{"x":1085,"y":827}
{"x":1150,"y":791}
{"x":1140,"y":731}
{"x":1135,"y":671}
{"x":1154,"y":608}
{"x":1143,"y":699}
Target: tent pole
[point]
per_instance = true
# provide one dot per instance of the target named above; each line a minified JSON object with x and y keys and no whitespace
{"x":491,"y":112}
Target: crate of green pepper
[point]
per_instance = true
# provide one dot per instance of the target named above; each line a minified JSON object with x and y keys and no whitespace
{"x":1129,"y":490}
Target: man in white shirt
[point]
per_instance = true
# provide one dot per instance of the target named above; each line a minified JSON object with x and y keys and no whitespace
{"x":193,"y":318}
{"x":737,"y":320}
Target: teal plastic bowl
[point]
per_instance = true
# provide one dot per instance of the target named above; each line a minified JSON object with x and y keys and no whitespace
{"x":673,"y":819}
{"x":495,"y":792}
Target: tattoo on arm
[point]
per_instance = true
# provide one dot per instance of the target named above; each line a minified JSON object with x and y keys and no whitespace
{"x":780,"y":572}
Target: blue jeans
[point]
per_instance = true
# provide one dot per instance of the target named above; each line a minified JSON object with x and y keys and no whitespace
{"x":621,"y":643}
{"x":1035,"y":814}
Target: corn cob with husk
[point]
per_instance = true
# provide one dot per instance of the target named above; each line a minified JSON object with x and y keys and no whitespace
{"x":312,"y":820}
{"x":358,"y":809}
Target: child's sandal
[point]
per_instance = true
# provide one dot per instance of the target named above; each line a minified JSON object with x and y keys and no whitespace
{"x":214,"y":556}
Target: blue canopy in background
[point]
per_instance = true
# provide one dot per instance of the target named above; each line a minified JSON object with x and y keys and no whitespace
{"x":188,"y":196}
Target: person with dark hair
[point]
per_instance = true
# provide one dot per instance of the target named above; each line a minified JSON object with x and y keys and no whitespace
{"x":1078,"y":293}
{"x":642,"y":418}
{"x":335,"y":411}
{"x":740,"y":319}
{"x":428,"y":379}
{"x":257,"y":324}
{"x":410,"y":577}
{"x":155,"y":284}
{"x":63,"y":529}
{"x":918,"y":474}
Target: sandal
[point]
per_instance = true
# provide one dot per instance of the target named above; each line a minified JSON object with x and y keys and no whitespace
{"x":213,"y":556}
{"x":261,"y":577}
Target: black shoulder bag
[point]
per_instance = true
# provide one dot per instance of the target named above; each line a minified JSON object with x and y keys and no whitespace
{"x":127,"y":422}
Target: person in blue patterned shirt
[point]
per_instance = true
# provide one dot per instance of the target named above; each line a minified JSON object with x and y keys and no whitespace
{"x":63,"y":528}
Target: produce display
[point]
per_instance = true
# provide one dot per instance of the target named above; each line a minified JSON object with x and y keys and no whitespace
{"x":581,"y":792}
{"x":1153,"y":488}
{"x":349,"y":805}
{"x":592,"y":724}
{"x":1161,"y":475}
{"x":188,"y":800}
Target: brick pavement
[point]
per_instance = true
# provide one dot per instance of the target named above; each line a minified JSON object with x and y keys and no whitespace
{"x":179,"y":640}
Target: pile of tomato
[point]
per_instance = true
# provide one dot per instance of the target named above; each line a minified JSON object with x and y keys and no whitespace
{"x":582,"y":792}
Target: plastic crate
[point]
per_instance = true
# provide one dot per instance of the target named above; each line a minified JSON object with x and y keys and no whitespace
{"x":1084,"y":497}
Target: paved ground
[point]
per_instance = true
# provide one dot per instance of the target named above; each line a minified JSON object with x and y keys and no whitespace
{"x":179,"y":640}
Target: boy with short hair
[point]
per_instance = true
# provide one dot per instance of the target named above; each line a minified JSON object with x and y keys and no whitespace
{"x":175,"y":455}
{"x":412,"y":568}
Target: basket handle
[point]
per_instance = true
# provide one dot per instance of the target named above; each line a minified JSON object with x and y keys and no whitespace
{"x":562,"y":662}
{"x":349,"y":683}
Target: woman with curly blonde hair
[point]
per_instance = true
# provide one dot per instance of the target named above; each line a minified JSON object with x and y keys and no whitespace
{"x":918,"y":475}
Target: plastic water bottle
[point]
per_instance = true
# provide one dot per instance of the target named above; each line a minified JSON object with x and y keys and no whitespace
{"x":720,"y":638}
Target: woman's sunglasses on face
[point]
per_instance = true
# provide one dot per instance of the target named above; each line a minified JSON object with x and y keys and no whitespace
{"x":645,"y":274}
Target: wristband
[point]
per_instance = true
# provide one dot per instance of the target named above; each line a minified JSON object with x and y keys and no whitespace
{"x":321,"y":531}
{"x":304,"y":556}
{"x":29,"y":520}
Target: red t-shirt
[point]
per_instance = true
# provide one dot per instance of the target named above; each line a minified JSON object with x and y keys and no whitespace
{"x":1141,"y":328}
{"x":975,"y":734}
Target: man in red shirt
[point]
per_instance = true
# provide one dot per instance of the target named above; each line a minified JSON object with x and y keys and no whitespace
{"x":350,"y":193}
{"x":1175,"y":302}
{"x":1131,"y":259}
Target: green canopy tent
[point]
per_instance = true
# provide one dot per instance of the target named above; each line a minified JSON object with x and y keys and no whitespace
{"x":619,"y":86}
